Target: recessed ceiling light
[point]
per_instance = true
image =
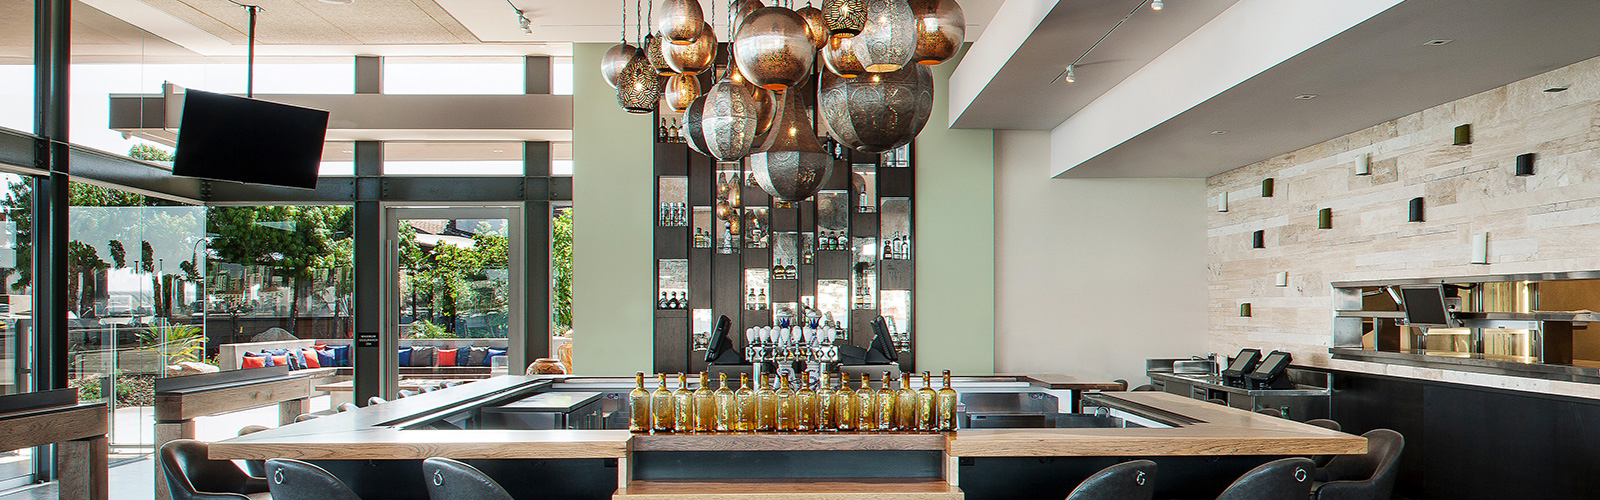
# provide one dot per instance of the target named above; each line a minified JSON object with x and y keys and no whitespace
{"x":338,"y":2}
{"x":1437,"y":42}
{"x":1305,"y":97}
{"x":499,"y":150}
{"x":348,"y":151}
{"x":1218,"y":132}
{"x":1553,"y":90}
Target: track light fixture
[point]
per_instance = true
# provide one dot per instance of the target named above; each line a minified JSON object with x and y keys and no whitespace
{"x":1156,"y":5}
{"x":1072,"y":74}
{"x":527,"y":26}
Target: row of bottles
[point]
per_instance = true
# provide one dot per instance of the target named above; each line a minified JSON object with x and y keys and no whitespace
{"x":897,"y":247}
{"x":754,"y":301}
{"x":832,"y":240}
{"x":702,"y":238}
{"x":673,"y":300}
{"x":785,"y":270}
{"x":665,"y":133}
{"x":673,"y":214}
{"x":782,"y":409}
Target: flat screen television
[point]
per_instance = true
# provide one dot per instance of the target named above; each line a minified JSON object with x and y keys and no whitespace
{"x":1425,"y":306}
{"x":232,"y":138}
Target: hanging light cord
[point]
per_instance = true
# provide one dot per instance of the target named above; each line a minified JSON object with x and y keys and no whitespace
{"x":1103,"y":38}
{"x":624,"y":29}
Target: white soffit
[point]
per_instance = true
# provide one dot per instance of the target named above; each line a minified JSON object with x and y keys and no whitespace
{"x":1013,"y":23}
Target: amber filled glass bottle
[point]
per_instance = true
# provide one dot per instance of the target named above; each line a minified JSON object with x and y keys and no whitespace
{"x":947,"y":405}
{"x":639,"y":405}
{"x":705,"y":406}
{"x":805,"y":405}
{"x":844,"y":404}
{"x":744,"y":401}
{"x":766,"y":405}
{"x":726,"y":406}
{"x":787,"y":409}
{"x":683,"y":405}
{"x":925,"y":405}
{"x":866,"y":406}
{"x":661,"y":406}
{"x":905,"y":406}
{"x":884,"y":403}
{"x":826,"y":419}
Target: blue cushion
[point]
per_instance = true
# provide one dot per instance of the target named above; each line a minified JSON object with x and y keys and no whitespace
{"x":341,"y":355}
{"x":325,"y":358}
{"x":462,"y":355}
{"x":265,"y":354}
{"x":489,"y":360}
{"x":405,"y":356}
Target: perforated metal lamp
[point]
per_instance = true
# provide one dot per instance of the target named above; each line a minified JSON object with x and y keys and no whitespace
{"x":816,"y":25}
{"x":681,"y":90}
{"x":772,"y":50}
{"x":658,"y":59}
{"x":766,"y":101}
{"x":844,"y":17}
{"x":722,"y":123}
{"x":740,"y":9}
{"x":681,"y":21}
{"x":615,"y":59}
{"x":840,"y":58}
{"x":877,"y":112}
{"x":638,"y":87}
{"x":889,"y":38}
{"x":941,"y":27}
{"x":791,"y":165}
{"x":693,"y":58}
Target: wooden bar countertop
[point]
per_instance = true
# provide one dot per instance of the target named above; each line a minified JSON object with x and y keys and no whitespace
{"x":374,"y":432}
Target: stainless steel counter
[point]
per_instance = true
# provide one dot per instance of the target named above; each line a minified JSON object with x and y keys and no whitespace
{"x":1214,"y":383}
{"x":1311,"y":397}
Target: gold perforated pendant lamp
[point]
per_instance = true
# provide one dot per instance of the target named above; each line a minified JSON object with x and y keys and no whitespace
{"x":658,"y":58}
{"x":681,"y":21}
{"x":772,"y":50}
{"x":638,"y":87}
{"x":877,"y":112}
{"x":889,"y":38}
{"x":791,"y":165}
{"x":840,"y":59}
{"x":941,"y":28}
{"x":680,"y":91}
{"x":816,"y":26}
{"x":693,"y":58}
{"x":844,"y":17}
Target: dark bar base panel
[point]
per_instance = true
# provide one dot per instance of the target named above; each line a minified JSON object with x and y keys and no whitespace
{"x":1052,"y":478}
{"x":578,"y":479}
{"x":1469,"y":443}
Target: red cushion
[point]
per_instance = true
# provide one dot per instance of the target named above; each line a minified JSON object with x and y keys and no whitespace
{"x":310,"y":357}
{"x":280,"y":360}
{"x":447,"y":357}
{"x":253,"y":362}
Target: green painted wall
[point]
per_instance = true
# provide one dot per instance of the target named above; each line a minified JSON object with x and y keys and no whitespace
{"x":954,"y":206}
{"x":612,"y":268}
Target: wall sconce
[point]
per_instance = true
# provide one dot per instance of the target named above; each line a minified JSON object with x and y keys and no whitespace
{"x":1258,"y":239}
{"x":1244,"y":310}
{"x":1464,"y":134}
{"x":1480,"y":248}
{"x":1282,"y":279}
{"x":1414,"y":213}
{"x":1525,"y":164}
{"x":1364,"y":164}
{"x":1266,"y":187}
{"x":1325,"y":218}
{"x":1222,"y":201}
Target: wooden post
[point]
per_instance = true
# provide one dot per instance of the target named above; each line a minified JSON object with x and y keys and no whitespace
{"x":84,"y":470}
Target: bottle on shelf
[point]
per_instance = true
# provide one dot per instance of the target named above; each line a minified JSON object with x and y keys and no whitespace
{"x":683,"y":405}
{"x":726,"y":406}
{"x":844,"y":404}
{"x":947,"y":405}
{"x":866,"y":406}
{"x":787,"y":409}
{"x":639,"y":405}
{"x":794,"y":273}
{"x":672,"y":303}
{"x":662,"y":303}
{"x":661,"y":406}
{"x":661,"y":131}
{"x":675,"y":137}
{"x":766,"y":405}
{"x":761,"y":300}
{"x":888,"y":249}
{"x":777,"y":269}
{"x":884,"y":405}
{"x":926,"y":420}
{"x":705,"y":406}
{"x":744,"y":401}
{"x":827,"y":417}
{"x":906,"y":405}
{"x":805,"y":407}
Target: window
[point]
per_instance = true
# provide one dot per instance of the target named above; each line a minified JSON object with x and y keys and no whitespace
{"x":454,"y":75}
{"x":454,"y":158}
{"x":16,"y":65}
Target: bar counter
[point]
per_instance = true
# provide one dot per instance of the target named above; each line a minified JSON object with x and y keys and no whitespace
{"x":835,"y":465}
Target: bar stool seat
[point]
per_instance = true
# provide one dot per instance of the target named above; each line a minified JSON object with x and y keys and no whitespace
{"x":1285,"y":479}
{"x":295,"y":480}
{"x":452,"y":480}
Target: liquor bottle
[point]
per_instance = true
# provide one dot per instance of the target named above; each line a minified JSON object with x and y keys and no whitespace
{"x":947,"y":405}
{"x":683,"y":405}
{"x":662,"y":304}
{"x":805,"y":405}
{"x":794,"y":273}
{"x":766,"y":405}
{"x":883,"y":408}
{"x":661,"y":406}
{"x":827,"y":417}
{"x":672,"y":303}
{"x":744,"y":401}
{"x":787,"y":408}
{"x":705,"y":406}
{"x":761,"y":300}
{"x":905,"y":406}
{"x":866,"y":406}
{"x":727,"y":406}
{"x":777,"y":270}
{"x":888,"y":249}
{"x":926,"y":421}
{"x":845,"y":404}
{"x":639,"y":405}
{"x":676,"y":136}
{"x":661,"y":131}
{"x":750,"y":303}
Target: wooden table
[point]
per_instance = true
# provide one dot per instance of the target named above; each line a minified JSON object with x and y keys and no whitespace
{"x":79,"y":432}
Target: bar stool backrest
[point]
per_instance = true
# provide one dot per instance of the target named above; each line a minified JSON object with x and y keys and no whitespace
{"x":344,"y":407}
{"x":1366,"y":476}
{"x":191,"y":475}
{"x":1285,"y":479}
{"x":256,"y":468}
{"x":376,"y":401}
{"x":295,"y":480}
{"x":452,"y":480}
{"x":1133,"y":480}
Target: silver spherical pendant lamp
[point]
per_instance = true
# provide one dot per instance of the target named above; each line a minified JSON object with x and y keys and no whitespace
{"x":766,"y":100}
{"x":844,"y":17}
{"x":840,"y":58}
{"x":681,"y":21}
{"x":791,"y":165}
{"x":889,"y":38}
{"x":941,"y":28}
{"x":722,"y":123}
{"x":816,"y":26}
{"x":877,"y":112}
{"x":772,"y":50}
{"x":742,"y":9}
{"x":615,"y":59}
{"x":680,"y":91}
{"x":693,"y":58}
{"x":638,"y":87}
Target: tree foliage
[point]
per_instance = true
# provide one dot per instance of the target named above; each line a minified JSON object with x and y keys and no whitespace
{"x":561,"y":270}
{"x":295,"y":241}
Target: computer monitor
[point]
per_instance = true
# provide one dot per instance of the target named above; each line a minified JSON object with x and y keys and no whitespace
{"x":1425,"y":306}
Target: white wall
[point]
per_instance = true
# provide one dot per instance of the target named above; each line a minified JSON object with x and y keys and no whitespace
{"x":1093,"y":276}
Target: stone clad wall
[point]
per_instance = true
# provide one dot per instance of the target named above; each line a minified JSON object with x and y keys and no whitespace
{"x":1542,"y":223}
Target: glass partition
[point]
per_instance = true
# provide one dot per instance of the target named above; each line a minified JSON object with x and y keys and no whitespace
{"x":16,"y":65}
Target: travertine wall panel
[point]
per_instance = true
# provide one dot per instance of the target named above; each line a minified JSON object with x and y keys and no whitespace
{"x":1547,"y":222}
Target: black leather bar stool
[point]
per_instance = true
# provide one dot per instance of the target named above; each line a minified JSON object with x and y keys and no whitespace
{"x":1322,"y":460}
{"x":452,"y":480}
{"x":1145,"y":388}
{"x":376,"y":401}
{"x":296,"y":480}
{"x":192,"y":476}
{"x":255,"y":468}
{"x":1362,"y":477}
{"x":1132,"y":480}
{"x":344,"y":407}
{"x":1284,"y":479}
{"x":1271,"y":412}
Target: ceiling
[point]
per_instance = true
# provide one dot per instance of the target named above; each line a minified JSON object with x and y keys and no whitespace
{"x":1375,"y":71}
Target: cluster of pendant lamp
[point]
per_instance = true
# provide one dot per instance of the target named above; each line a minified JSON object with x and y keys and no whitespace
{"x":874,"y":90}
